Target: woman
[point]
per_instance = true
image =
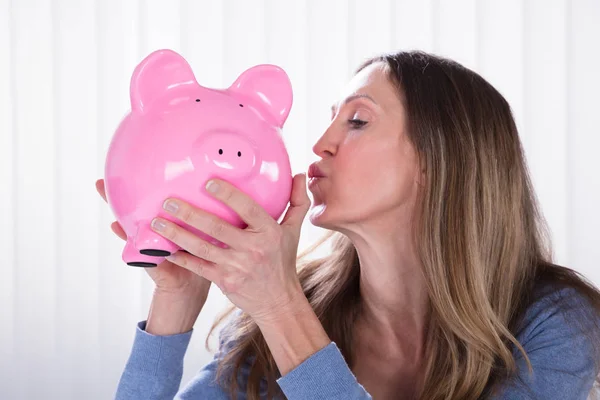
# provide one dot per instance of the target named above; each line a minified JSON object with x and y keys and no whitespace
{"x":439,"y":285}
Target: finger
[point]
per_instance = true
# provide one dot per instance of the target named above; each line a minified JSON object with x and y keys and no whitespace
{"x":206,"y":222}
{"x":198,"y":266}
{"x":118,"y":230}
{"x":188,"y":241}
{"x":100,"y":188}
{"x":249,"y":211}
{"x":299,"y":203}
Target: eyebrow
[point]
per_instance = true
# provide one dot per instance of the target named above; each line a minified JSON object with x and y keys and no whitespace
{"x":351,"y":98}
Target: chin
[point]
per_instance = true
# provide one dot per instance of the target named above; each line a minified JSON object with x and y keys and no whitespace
{"x":317,"y":215}
{"x":321,"y":216}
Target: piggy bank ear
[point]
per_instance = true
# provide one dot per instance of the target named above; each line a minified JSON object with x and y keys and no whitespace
{"x":269,"y":86}
{"x":158,"y":72}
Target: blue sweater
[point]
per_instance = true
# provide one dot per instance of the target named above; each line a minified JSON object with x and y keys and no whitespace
{"x":561,"y":357}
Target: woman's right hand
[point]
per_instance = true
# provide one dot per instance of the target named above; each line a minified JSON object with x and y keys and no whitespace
{"x":179,"y":291}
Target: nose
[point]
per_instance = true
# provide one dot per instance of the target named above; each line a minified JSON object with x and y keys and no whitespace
{"x":325,"y":146}
{"x":229,"y":154}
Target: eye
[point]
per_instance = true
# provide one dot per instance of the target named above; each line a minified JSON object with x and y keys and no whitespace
{"x":357,"y":123}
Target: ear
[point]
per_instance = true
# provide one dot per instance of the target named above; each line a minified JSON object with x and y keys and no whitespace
{"x":269,"y":86}
{"x":157,"y":73}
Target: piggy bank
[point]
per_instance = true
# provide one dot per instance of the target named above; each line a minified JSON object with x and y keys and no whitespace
{"x":179,"y":134}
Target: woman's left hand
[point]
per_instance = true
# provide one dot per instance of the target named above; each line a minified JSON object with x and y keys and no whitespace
{"x":258,"y":270}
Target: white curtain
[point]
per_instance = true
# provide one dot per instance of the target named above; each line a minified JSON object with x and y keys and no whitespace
{"x":68,"y":304}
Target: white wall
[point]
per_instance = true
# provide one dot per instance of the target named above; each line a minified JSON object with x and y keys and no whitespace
{"x":68,"y":305}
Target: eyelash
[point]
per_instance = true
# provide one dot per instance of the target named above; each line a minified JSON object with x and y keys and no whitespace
{"x":357,"y":123}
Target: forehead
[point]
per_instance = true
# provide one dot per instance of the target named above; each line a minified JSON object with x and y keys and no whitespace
{"x":373,"y":80}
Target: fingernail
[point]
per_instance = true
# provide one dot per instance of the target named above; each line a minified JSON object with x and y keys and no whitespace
{"x":170,"y":257}
{"x":212,"y":186}
{"x":158,"y":225}
{"x":170,"y":206}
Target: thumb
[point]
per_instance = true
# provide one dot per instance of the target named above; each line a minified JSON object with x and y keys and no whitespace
{"x":299,"y":203}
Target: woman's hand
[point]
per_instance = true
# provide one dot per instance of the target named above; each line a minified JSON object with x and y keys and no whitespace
{"x":168,"y":277}
{"x":257,"y":272}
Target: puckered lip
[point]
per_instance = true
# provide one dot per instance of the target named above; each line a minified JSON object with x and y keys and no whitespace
{"x":314,"y":171}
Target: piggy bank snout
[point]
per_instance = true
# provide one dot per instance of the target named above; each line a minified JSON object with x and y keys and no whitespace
{"x":229,"y":154}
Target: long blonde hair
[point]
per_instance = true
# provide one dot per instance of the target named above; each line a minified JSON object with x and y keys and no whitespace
{"x":481,"y":239}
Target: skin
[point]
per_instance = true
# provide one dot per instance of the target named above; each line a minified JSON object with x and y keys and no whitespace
{"x":257,"y":272}
{"x":378,"y":223}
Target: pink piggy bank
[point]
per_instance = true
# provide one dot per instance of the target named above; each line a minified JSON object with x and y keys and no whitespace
{"x":178,"y":135}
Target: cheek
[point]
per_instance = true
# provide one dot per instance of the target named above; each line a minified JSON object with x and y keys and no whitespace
{"x":380,"y":178}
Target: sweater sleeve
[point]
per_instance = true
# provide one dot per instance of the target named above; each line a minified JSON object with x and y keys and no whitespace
{"x":558,"y":337}
{"x":324,"y":375}
{"x":155,"y":367}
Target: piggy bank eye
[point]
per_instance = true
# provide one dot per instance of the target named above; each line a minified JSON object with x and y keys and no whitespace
{"x":241,"y":105}
{"x":197,"y":100}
